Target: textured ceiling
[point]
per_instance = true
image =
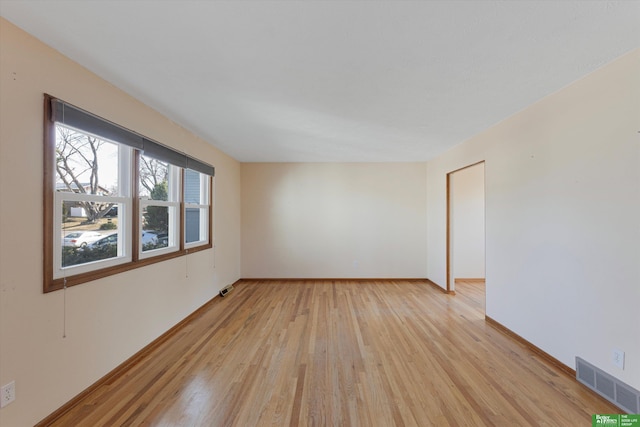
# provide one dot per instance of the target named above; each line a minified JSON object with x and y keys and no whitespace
{"x":335,"y":81}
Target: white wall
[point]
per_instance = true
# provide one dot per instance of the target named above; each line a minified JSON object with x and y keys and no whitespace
{"x":562,"y":218}
{"x":107,"y":320}
{"x":329,"y":220}
{"x":467,"y":222}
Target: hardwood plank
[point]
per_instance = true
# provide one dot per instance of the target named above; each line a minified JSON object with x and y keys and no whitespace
{"x":340,"y":352}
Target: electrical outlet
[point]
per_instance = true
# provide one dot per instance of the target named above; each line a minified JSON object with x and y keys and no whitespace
{"x":8,"y":394}
{"x":617,"y":357}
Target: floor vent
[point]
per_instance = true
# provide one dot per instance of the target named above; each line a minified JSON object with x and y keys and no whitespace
{"x":607,"y":386}
{"x":224,"y":291}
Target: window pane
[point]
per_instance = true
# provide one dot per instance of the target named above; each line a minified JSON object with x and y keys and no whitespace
{"x":155,"y":229}
{"x":192,"y":225}
{"x":154,"y":179}
{"x":196,"y":196}
{"x":192,"y":186}
{"x":85,"y":164}
{"x":84,"y":242}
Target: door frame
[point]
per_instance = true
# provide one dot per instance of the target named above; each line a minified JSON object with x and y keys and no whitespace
{"x":448,"y":232}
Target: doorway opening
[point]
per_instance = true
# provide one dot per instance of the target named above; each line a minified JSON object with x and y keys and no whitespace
{"x":466,"y":231}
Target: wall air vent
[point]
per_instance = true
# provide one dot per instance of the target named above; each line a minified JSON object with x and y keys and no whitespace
{"x":615,"y":391}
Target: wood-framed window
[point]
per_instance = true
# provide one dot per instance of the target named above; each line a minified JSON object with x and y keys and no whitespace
{"x":115,"y":200}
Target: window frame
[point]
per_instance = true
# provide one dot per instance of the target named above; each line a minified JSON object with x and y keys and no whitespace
{"x":173,"y":205}
{"x":133,"y":256}
{"x":204,"y":205}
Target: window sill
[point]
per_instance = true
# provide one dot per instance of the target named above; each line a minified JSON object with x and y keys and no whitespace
{"x":77,"y":279}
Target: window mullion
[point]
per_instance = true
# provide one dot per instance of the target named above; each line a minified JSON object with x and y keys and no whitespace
{"x":137,"y":209}
{"x":181,"y":228}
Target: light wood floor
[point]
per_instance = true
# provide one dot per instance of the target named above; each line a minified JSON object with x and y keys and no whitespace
{"x":325,"y":353}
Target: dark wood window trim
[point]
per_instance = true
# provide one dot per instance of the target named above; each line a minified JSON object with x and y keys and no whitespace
{"x":48,"y":185}
{"x":49,"y":177}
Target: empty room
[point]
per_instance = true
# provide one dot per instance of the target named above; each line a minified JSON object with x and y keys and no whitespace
{"x":319,"y":213}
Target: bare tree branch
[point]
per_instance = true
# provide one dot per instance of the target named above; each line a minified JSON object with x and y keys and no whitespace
{"x":77,"y":154}
{"x":152,"y":173}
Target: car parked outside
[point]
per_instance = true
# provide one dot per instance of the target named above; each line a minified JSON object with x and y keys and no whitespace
{"x":111,"y":213}
{"x":149,"y":238}
{"x":80,"y":238}
{"x":112,"y":239}
{"x":108,"y":240}
{"x":163,"y":239}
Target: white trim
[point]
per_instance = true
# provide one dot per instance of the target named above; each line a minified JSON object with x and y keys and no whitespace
{"x":173,"y":208}
{"x":204,"y":217}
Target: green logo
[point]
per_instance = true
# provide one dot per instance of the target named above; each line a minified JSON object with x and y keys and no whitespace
{"x":617,"y":420}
